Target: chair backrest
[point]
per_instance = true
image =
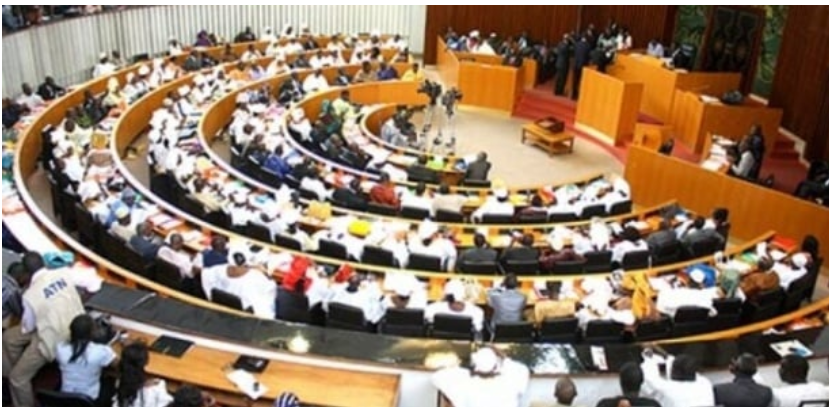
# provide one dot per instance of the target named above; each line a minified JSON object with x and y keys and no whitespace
{"x":478,"y":267}
{"x":568,"y":267}
{"x":377,"y":256}
{"x":330,"y":248}
{"x":667,"y":254}
{"x":87,"y":227}
{"x":691,"y":314}
{"x":403,"y":322}
{"x":532,"y":217}
{"x":638,"y":259}
{"x":659,"y":328}
{"x":292,"y":306}
{"x":562,"y":217}
{"x":621,"y":208}
{"x":287,"y":242}
{"x":49,"y":398}
{"x":425,"y":262}
{"x":521,"y":267}
{"x":597,"y":262}
{"x":379,"y":209}
{"x":558,"y":330}
{"x":603,"y":331}
{"x":344,"y":316}
{"x":167,"y":274}
{"x":519,"y":332}
{"x":448,"y":216}
{"x":190,"y":205}
{"x":704,"y":247}
{"x":259,"y":232}
{"x":227,"y":299}
{"x":797,"y":292}
{"x":452,"y":326}
{"x":814,"y":403}
{"x":728,"y":315}
{"x":414,"y":213}
{"x":496,"y":219}
{"x":592,"y":211}
{"x":477,"y":183}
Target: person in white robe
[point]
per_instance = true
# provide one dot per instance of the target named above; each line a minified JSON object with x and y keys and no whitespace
{"x":493,"y":381}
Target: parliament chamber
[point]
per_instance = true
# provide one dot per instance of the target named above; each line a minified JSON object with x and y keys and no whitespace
{"x":348,"y":207}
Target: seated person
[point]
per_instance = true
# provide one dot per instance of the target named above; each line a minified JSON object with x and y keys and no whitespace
{"x":365,"y":74}
{"x":386,"y":72}
{"x":351,"y":196}
{"x":498,"y":204}
{"x":507,"y":301}
{"x":414,"y":74}
{"x":481,"y":253}
{"x":419,"y":172}
{"x":384,"y":192}
{"x":551,"y":304}
{"x":663,"y":237}
{"x":791,"y":270}
{"x":632,"y":242}
{"x":454,"y":303}
{"x":478,"y":170}
{"x":695,"y":294}
{"x":698,"y":232}
{"x":524,"y":252}
{"x":144,"y":242}
{"x":445,"y":200}
{"x":315,"y":82}
{"x":432,"y":243}
{"x":794,"y":372}
{"x":256,"y":290}
{"x":368,"y":299}
{"x":419,"y":199}
{"x":124,"y":227}
{"x":49,"y":90}
{"x":313,"y":183}
{"x":562,"y":251}
{"x":760,"y":280}
{"x":81,"y":360}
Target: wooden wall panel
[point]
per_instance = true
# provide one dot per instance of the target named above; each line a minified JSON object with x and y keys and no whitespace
{"x":801,"y":81}
{"x":644,"y":22}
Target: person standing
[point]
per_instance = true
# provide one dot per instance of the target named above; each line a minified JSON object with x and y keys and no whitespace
{"x":50,"y":303}
{"x":562,"y":64}
{"x":581,"y":57}
{"x":493,"y":380}
{"x":743,"y":391}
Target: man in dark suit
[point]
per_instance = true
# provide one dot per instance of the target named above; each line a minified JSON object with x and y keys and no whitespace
{"x":581,"y":57}
{"x":351,"y":196}
{"x":631,"y":378}
{"x":421,"y":173}
{"x":663,"y":237}
{"x":524,"y":252}
{"x":699,"y":233}
{"x":479,"y":169}
{"x":478,"y":254}
{"x":562,"y":64}
{"x":743,"y":391}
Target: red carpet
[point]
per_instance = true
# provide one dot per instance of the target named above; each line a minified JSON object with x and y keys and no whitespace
{"x":782,"y":162}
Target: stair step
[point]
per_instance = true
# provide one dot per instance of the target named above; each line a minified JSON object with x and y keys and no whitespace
{"x":784,"y":155}
{"x":783,"y":143}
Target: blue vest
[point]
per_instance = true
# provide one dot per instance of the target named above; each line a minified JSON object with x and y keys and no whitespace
{"x":212,"y":258}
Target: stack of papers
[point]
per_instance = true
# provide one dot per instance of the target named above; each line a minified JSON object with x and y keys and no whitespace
{"x":792,"y":347}
{"x":247,"y":384}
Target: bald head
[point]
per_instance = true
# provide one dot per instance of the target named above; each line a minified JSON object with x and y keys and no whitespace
{"x":565,"y":391}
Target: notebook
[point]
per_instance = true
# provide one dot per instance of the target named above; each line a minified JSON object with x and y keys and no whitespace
{"x":170,"y":346}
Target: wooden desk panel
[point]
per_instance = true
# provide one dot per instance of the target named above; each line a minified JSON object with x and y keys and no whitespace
{"x":608,"y":105}
{"x":489,"y":86}
{"x":753,"y":209}
{"x":319,"y":386}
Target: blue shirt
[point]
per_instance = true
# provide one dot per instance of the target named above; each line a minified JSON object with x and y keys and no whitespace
{"x":277,"y":165}
{"x":84,"y":374}
{"x":387,"y":74}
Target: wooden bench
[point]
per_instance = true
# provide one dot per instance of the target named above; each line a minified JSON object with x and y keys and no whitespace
{"x":552,"y":143}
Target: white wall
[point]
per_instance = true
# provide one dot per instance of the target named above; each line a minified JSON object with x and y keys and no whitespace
{"x":67,"y":50}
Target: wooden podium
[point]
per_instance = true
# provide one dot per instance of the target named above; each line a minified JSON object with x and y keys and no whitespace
{"x":608,"y":107}
{"x":694,"y":119}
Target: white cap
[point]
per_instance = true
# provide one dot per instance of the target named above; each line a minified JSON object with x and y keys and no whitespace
{"x":199,"y":80}
{"x":144,"y":70}
{"x":475,"y":34}
{"x":184,"y":90}
{"x":485,"y":360}
{"x":427,"y":229}
{"x":375,"y":33}
{"x":298,"y":114}
{"x":240,"y":197}
{"x":557,"y":243}
{"x":167,"y":102}
{"x":456,"y":289}
{"x":697,"y":276}
{"x":102,"y":55}
{"x":122,"y":212}
{"x":800,"y":260}
{"x":501,"y":193}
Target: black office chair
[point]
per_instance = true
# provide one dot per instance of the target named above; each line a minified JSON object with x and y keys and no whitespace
{"x":287,"y":242}
{"x":814,"y":272}
{"x":814,"y":403}
{"x":167,"y":274}
{"x":496,"y":219}
{"x":449,"y":217}
{"x":270,"y":178}
{"x":87,"y":226}
{"x":562,"y":217}
{"x":667,"y":254}
{"x":532,"y":218}
{"x":378,"y":256}
{"x":191,"y":206}
{"x":425,"y":262}
{"x":600,"y":331}
{"x":226,"y":299}
{"x":379,"y":209}
{"x":308,"y":195}
{"x":766,"y":306}
{"x":414,"y":213}
{"x":514,"y":332}
{"x":568,"y":267}
{"x":259,"y":232}
{"x":403,"y":322}
{"x":702,"y":248}
{"x":332,"y":249}
{"x":342,"y":316}
{"x":161,"y":185}
{"x":690,"y":321}
{"x":49,"y":398}
{"x":797,"y":293}
{"x":292,"y":306}
{"x":452,"y":327}
{"x":597,"y":262}
{"x":559,"y":330}
{"x":592,"y":211}
{"x":478,"y":267}
{"x":66,"y":205}
{"x":728,"y":314}
{"x":521,"y":267}
{"x":654,"y":330}
{"x":636,"y":260}
{"x":621,"y":208}
{"x":477,"y":183}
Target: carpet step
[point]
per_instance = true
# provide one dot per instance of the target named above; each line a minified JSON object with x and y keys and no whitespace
{"x":784,"y":155}
{"x":783,"y":143}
